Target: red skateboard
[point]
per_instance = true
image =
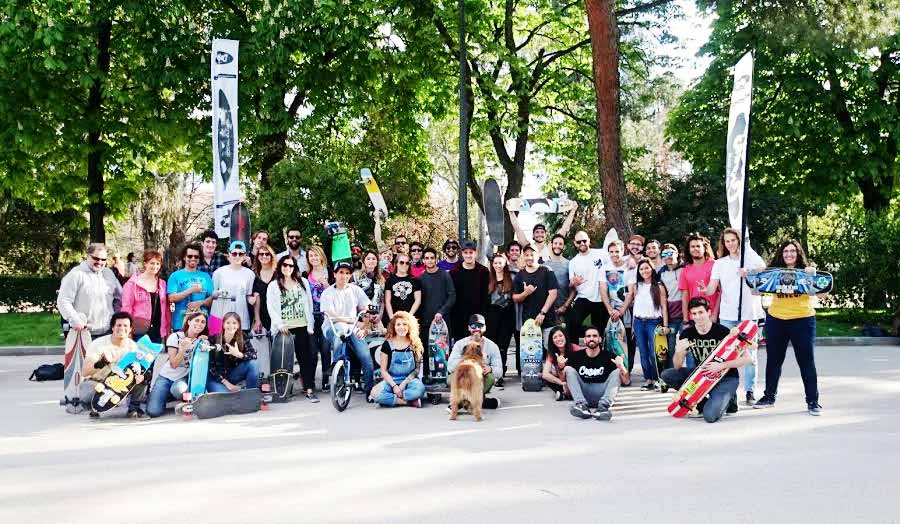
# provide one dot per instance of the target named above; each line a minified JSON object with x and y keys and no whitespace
{"x":699,"y":384}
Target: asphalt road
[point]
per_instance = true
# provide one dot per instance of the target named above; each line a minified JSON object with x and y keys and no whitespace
{"x":528,"y":462}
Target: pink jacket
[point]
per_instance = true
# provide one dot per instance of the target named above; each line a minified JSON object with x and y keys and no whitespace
{"x":136,"y":302}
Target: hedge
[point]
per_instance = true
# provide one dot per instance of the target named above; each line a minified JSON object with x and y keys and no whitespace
{"x":27,"y":293}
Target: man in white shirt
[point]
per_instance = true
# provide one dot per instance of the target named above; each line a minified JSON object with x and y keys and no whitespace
{"x":342,"y":303}
{"x":584,"y":278}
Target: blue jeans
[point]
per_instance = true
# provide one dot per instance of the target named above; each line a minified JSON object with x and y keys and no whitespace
{"x":163,"y":388}
{"x":644,"y":333}
{"x":401,"y":365}
{"x":801,"y":333}
{"x":674,"y":329}
{"x":359,"y":348}
{"x":247,"y":370}
{"x":749,"y":371}
{"x":719,"y":396}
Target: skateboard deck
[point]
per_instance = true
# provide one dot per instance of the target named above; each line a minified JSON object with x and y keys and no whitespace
{"x":282,"y":367}
{"x":212,"y":405}
{"x":611,"y":342}
{"x":260,"y":343}
{"x":784,"y":281}
{"x":340,"y":242}
{"x":699,"y":384}
{"x":199,"y":370}
{"x":374,"y":192}
{"x":438,"y":351}
{"x":77,"y":343}
{"x":240,"y":223}
{"x":493,"y":211}
{"x":531,"y":356}
{"x":542,"y":205}
{"x":121,"y":380}
{"x":215,"y":322}
{"x":661,"y":350}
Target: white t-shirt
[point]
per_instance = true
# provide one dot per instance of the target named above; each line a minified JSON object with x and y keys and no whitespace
{"x":643,"y":302}
{"x":238,"y":284}
{"x":347,"y":302}
{"x":726,"y":271}
{"x":182,"y":370}
{"x":587,"y":266}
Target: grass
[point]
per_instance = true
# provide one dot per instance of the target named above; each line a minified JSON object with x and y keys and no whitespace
{"x":835,"y":322}
{"x":30,"y":329}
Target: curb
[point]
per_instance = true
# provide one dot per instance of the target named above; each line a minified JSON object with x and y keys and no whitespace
{"x":24,"y":351}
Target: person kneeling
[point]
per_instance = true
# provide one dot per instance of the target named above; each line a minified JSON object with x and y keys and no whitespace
{"x":593,"y":377}
{"x":700,"y":340}
{"x":235,"y":360}
{"x":401,"y":360}
{"x":492,"y":366}
{"x":172,"y":378}
{"x":103,"y":353}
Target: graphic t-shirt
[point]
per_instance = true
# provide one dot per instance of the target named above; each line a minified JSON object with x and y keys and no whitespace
{"x":181,"y":281}
{"x":560,"y":270}
{"x":293,"y":307}
{"x":172,"y":346}
{"x":669,"y":278}
{"x":234,"y":286}
{"x":617,"y":279}
{"x":316,"y":289}
{"x":587,"y":266}
{"x":104,"y":346}
{"x":544,"y":281}
{"x":593,"y":370}
{"x":403,"y":291}
{"x":373,"y":290}
{"x":691,"y":277}
{"x":703,"y":345}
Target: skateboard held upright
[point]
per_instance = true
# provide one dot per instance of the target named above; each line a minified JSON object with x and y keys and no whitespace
{"x":532,"y":356}
{"x":77,"y":343}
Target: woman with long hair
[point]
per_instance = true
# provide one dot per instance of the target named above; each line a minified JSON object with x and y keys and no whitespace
{"x":649,"y":312}
{"x":401,"y":362}
{"x":558,"y":350}
{"x":403,"y":292}
{"x":234,"y":361}
{"x":291,"y":309}
{"x":370,"y":279}
{"x":319,"y":277}
{"x":501,"y":312}
{"x":791,"y":318}
{"x":144,"y":298}
{"x":264,"y":268}
{"x":172,"y":377}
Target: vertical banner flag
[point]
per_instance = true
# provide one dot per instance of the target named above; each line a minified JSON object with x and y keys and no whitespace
{"x":737,"y":147}
{"x":224,"y":66}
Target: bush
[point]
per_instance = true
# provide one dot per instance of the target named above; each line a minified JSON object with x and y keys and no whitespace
{"x":24,"y":293}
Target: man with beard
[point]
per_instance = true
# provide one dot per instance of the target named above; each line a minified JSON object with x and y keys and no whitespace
{"x":451,"y":255}
{"x":90,"y":293}
{"x":593,"y":377}
{"x":292,"y":241}
{"x":539,"y":233}
{"x":514,"y":256}
{"x":651,"y":251}
{"x":560,"y":267}
{"x":492,"y":365}
{"x":470,"y":280}
{"x":635,"y":250}
{"x":189,"y":288}
{"x":584,"y":279}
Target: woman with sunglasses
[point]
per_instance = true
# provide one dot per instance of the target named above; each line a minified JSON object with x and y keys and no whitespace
{"x":319,"y":277}
{"x":144,"y":298}
{"x":264,"y":269}
{"x":172,"y":378}
{"x":403,"y":292}
{"x":291,"y":309}
{"x":416,"y":265}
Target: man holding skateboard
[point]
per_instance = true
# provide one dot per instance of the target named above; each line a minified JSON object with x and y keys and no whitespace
{"x":535,"y":290}
{"x":90,"y":293}
{"x":539,"y":232}
{"x":701,"y":339}
{"x":103,"y":353}
{"x":593,"y":377}
{"x":438,"y":296}
{"x":492,"y":367}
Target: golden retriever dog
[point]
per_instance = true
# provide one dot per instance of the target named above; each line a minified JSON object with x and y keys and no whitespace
{"x":467,"y":386}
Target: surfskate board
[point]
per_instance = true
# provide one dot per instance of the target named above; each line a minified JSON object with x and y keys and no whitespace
{"x":123,"y":375}
{"x":438,"y":351}
{"x":260,"y":343}
{"x":543,"y":205}
{"x":199,"y":371}
{"x":493,"y":211}
{"x":661,"y":351}
{"x":699,"y":384}
{"x":212,"y":405}
{"x":784,"y":281}
{"x":611,"y":342}
{"x":531,"y":356}
{"x":282,"y":367}
{"x":375,"y":196}
{"x":77,"y":343}
{"x":239,"y":224}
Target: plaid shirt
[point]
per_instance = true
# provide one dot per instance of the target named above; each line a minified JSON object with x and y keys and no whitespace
{"x":218,"y":260}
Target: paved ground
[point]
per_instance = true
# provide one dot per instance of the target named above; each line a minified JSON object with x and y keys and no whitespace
{"x":530,"y":461}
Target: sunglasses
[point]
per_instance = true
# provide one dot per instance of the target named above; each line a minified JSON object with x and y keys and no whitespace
{"x":399,"y":243}
{"x":415,"y":250}
{"x":237,"y":253}
{"x":292,"y":266}
{"x":98,"y":259}
{"x":264,"y":254}
{"x":583,"y":241}
{"x":403,"y":262}
{"x":192,"y":257}
{"x":294,"y":237}
{"x":476,"y":326}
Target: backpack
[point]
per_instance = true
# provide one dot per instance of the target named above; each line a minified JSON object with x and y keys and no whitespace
{"x":47,"y":372}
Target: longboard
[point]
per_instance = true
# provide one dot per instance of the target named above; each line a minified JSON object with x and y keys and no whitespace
{"x":365,"y":174}
{"x":260,"y":343}
{"x":438,"y":349}
{"x":784,"y":281}
{"x":531,"y":356}
{"x":542,"y":205}
{"x":282,"y":366}
{"x":611,"y":342}
{"x":77,"y":343}
{"x":121,"y":380}
{"x":199,"y":370}
{"x":661,"y":350}
{"x":212,"y":405}
{"x":493,"y":211}
{"x":699,"y":384}
{"x":239,"y":224}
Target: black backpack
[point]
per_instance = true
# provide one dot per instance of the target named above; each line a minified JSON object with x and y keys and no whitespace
{"x":47,"y":372}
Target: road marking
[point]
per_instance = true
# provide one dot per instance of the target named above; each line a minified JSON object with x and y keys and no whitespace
{"x":40,"y":403}
{"x":524,"y":426}
{"x":878,"y":360}
{"x":522,"y":406}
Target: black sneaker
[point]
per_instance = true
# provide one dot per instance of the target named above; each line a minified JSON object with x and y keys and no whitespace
{"x":764,"y":402}
{"x":649,"y":386}
{"x":311,"y":396}
{"x":135,"y":413}
{"x":814,"y":409}
{"x":559,"y":396}
{"x":580,"y":410}
{"x":732,"y":405}
{"x":490,"y":403}
{"x":603,"y":413}
{"x":750,"y":398}
{"x":94,"y":415}
{"x":499,"y":384}
{"x":435,"y":400}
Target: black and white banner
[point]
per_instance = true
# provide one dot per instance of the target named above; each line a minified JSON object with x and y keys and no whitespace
{"x":224,"y":66}
{"x":738,"y":129}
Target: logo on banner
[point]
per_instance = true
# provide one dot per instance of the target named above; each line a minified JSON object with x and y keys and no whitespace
{"x":224,"y":58}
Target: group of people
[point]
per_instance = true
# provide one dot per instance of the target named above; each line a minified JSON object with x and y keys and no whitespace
{"x":622,"y":291}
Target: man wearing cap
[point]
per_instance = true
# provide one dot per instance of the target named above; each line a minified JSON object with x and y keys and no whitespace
{"x":492,"y":366}
{"x":342,"y":303}
{"x":233,"y":286}
{"x":535,"y":290}
{"x":470,"y":280}
{"x":451,"y":255}
{"x":539,"y":232}
{"x":292,"y":240}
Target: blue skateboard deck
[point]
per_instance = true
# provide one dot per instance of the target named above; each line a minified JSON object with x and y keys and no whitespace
{"x":121,"y":380}
{"x":199,"y":370}
{"x":438,"y":350}
{"x":531,"y":356}
{"x":784,"y":281}
{"x":611,"y":342}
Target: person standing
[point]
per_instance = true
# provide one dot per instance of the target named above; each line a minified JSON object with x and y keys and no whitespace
{"x":615,"y":277}
{"x":557,"y":263}
{"x":118,"y":269}
{"x":470,"y":280}
{"x":90,"y":293}
{"x":451,"y":255}
{"x":697,"y":273}
{"x":651,"y":250}
{"x":130,"y":266}
{"x":403,"y":292}
{"x":290,"y":307}
{"x":593,"y":377}
{"x":584,"y":279}
{"x":260,"y":239}
{"x":669,"y":275}
{"x":371,"y":280}
{"x":649,"y":313}
{"x":264,"y":269}
{"x":319,"y":277}
{"x":211,"y":259}
{"x":292,"y":240}
{"x":791,"y":318}
{"x":233,"y":289}
{"x":539,"y":232}
{"x":535,"y":289}
{"x":501,"y":311}
{"x":189,"y":288}
{"x":513,"y":252}
{"x":728,"y":272}
{"x":635,"y":250}
{"x":144,"y":298}
{"x":416,"y":266}
{"x":438,"y":297}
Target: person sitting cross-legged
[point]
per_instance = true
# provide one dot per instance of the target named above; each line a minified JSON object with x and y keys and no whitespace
{"x":401,"y":361}
{"x":492,"y":366}
{"x":593,"y":378}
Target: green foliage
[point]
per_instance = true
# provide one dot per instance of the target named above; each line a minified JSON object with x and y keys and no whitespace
{"x":35,"y":242}
{"x":21,"y":293}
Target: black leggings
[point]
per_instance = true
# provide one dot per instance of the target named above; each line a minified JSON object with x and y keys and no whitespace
{"x":581,"y":309}
{"x":501,"y":324}
{"x":306,"y":357}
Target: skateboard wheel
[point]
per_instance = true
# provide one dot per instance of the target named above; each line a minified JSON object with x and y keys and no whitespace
{"x":98,"y":387}
{"x":116,"y":398}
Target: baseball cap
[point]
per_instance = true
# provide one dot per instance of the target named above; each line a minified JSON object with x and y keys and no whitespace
{"x":343,"y":264}
{"x":237,"y":244}
{"x":467,"y":244}
{"x":528,"y":247}
{"x":539,"y":226}
{"x":477,"y":319}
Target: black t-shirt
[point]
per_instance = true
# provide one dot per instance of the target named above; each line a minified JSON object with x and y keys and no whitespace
{"x":703,"y":345}
{"x":545,"y":281}
{"x":261,"y":286}
{"x":593,"y":370}
{"x":403,"y":291}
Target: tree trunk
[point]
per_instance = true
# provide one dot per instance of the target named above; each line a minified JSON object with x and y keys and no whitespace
{"x":94,"y":113}
{"x":605,"y":51}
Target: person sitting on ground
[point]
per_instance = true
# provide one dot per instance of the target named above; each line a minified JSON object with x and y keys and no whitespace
{"x":173,"y":374}
{"x":492,"y":366}
{"x":234,"y":361}
{"x":558,"y":350}
{"x":593,"y":377}
{"x":103,"y":353}
{"x":701,"y":339}
{"x":401,"y":363}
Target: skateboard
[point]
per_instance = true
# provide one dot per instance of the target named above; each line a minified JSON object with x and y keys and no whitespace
{"x":215,"y":323}
{"x":784,"y":281}
{"x":532,"y":356}
{"x":699,"y":384}
{"x":611,"y":342}
{"x":340,"y":242}
{"x":121,"y":379}
{"x":240,"y":223}
{"x":493,"y":211}
{"x":199,"y":371}
{"x":226,"y":131}
{"x":543,"y":205}
{"x":282,"y":367}
{"x":661,"y":350}
{"x":77,"y":343}
{"x":260,"y":343}
{"x":365,"y":175}
{"x":438,"y":351}
{"x":212,"y":405}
